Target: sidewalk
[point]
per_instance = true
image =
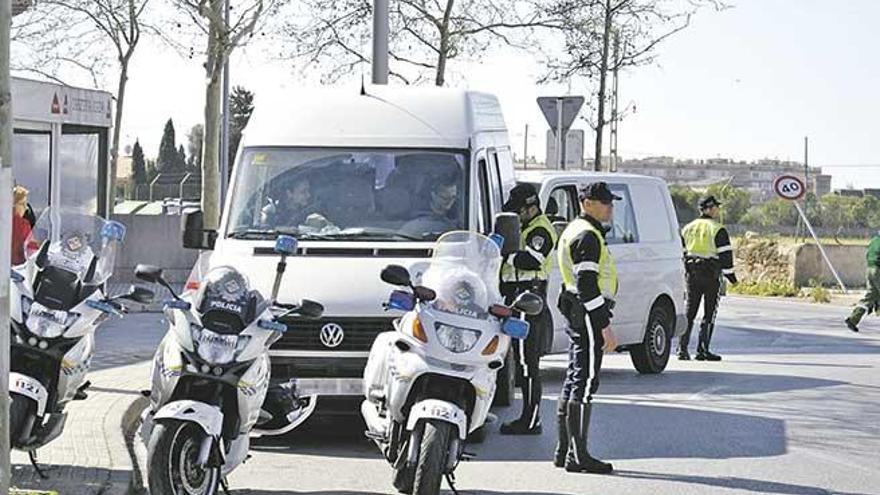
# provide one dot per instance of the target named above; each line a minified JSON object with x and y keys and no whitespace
{"x":91,"y":456}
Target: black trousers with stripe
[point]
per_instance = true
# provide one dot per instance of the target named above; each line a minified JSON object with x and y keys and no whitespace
{"x":705,"y":287}
{"x":584,"y":351}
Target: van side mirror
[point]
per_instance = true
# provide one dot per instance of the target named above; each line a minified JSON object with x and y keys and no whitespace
{"x":507,"y":226}
{"x":396,"y":275}
{"x":193,"y":231}
{"x":149,"y":273}
{"x":310,"y":309}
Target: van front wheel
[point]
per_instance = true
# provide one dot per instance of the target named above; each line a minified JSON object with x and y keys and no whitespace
{"x":652,"y":355}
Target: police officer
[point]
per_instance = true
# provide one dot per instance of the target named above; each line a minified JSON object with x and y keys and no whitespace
{"x":527,"y":270}
{"x":589,"y":279}
{"x":708,"y":256}
{"x":871,"y":301}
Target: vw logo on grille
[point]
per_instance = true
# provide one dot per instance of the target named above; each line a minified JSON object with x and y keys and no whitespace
{"x":332,"y":335}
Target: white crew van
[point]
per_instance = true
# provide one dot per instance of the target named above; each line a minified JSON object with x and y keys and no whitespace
{"x":644,"y":240}
{"x":362,"y":180}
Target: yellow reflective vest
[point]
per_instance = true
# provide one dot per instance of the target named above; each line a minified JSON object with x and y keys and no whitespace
{"x":699,"y":237}
{"x":510,"y":273}
{"x":608,"y":283}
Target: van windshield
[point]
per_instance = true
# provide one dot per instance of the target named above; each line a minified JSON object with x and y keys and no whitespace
{"x":349,"y":194}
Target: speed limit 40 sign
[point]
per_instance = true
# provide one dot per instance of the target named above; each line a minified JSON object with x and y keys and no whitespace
{"x":789,"y":187}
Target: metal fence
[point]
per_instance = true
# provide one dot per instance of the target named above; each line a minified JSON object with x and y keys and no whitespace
{"x":187,"y":187}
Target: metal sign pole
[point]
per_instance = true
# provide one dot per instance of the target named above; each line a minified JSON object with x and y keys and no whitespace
{"x":560,"y":140}
{"x":6,"y":228}
{"x":821,"y":248}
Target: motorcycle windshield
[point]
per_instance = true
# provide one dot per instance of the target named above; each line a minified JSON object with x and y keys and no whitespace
{"x":465,"y":274}
{"x":76,"y":238}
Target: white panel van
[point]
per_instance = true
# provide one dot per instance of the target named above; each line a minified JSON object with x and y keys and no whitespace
{"x":644,"y":239}
{"x":362,"y":180}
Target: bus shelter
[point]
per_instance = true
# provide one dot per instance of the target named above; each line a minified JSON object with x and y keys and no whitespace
{"x":60,"y":146}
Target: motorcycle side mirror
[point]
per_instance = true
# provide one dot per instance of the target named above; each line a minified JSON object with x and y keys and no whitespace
{"x":507,"y":225}
{"x":139,"y":294}
{"x":310,"y":309}
{"x":528,"y":303}
{"x":306,"y":309}
{"x":149,"y":273}
{"x":424,"y":294}
{"x":396,"y":275}
{"x":43,"y":256}
{"x":153,"y":275}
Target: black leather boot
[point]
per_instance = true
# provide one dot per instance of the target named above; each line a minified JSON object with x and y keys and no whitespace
{"x":684,"y":341}
{"x":561,"y":434}
{"x":529,"y":422}
{"x":579,"y":459}
{"x":703,"y":353}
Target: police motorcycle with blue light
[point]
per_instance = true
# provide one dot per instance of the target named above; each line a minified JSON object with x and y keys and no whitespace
{"x":431,"y":381}
{"x":58,"y":299}
{"x":211,"y":376}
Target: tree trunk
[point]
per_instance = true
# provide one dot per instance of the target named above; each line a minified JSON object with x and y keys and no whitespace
{"x":441,"y":65}
{"x":117,"y":130}
{"x":211,"y":147}
{"x":603,"y":72}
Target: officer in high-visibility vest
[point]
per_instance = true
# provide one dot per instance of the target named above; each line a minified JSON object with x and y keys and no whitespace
{"x":871,"y":301}
{"x":589,"y":279}
{"x":708,"y":256}
{"x":527,"y":270}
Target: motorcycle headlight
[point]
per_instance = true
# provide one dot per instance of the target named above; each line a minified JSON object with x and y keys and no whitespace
{"x":48,"y":323}
{"x":457,"y":339}
{"x":217,"y":348}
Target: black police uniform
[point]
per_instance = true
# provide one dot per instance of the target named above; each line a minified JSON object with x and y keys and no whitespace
{"x":703,"y":274}
{"x":587,"y":313}
{"x":539,"y":243}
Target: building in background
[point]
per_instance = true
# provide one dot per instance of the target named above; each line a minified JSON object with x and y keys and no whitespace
{"x":756,"y":177}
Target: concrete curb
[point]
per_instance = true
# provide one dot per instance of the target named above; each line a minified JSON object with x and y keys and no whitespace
{"x":131,"y":422}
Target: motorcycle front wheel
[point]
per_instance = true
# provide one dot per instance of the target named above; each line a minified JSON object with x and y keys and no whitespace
{"x":432,"y":458}
{"x":22,"y":416}
{"x":172,"y":460}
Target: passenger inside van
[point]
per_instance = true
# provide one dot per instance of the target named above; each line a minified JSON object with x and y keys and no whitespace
{"x":375,"y":194}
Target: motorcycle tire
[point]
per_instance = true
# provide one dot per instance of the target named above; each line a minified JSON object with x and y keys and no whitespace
{"x":403,"y":479}
{"x":432,"y":458}
{"x":171,"y":455}
{"x":22,"y":416}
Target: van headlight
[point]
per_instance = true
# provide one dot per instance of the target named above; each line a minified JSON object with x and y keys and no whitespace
{"x":457,"y":339}
{"x":217,"y":348}
{"x":48,"y":323}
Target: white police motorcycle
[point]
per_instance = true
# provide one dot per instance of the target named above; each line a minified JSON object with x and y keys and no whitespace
{"x":58,"y":299}
{"x":430,"y":383}
{"x":211,"y":375}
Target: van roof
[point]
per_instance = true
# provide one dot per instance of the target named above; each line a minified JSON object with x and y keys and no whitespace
{"x":541,"y":176}
{"x":386,"y":116}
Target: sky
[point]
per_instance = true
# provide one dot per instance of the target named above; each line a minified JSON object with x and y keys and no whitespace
{"x":748,"y":82}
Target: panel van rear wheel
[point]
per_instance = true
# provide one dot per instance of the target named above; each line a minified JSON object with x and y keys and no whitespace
{"x":652,"y":355}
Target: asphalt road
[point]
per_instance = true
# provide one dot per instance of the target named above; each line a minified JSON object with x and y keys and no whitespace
{"x":794,"y":408}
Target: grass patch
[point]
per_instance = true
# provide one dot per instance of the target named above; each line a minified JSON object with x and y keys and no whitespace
{"x":817,"y":293}
{"x":766,"y":289}
{"x":21,"y":491}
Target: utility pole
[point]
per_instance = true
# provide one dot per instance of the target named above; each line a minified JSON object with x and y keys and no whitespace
{"x":5,"y":227}
{"x":560,"y":138}
{"x":380,"y":42}
{"x":612,"y":166}
{"x":224,"y":128}
{"x":526,"y":148}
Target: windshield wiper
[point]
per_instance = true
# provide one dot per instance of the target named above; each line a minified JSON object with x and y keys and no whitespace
{"x":261,"y":233}
{"x":371,"y":233}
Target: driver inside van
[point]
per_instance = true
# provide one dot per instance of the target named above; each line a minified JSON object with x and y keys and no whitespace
{"x":434,"y":217}
{"x":296,"y":207}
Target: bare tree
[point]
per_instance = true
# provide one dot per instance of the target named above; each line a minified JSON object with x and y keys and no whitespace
{"x":602,"y":36}
{"x":425,"y":35}
{"x":207,"y":17}
{"x":65,"y":33}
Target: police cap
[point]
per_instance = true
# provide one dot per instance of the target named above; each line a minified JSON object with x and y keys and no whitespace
{"x":521,"y":195}
{"x":598,"y":191}
{"x":709,"y":202}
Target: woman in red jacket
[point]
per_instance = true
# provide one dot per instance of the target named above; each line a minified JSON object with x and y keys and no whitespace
{"x":21,"y":228}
